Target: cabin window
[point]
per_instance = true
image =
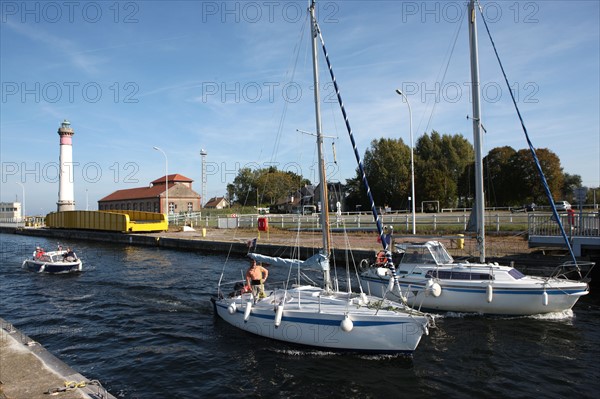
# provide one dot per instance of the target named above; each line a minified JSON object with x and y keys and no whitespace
{"x":455,"y":275}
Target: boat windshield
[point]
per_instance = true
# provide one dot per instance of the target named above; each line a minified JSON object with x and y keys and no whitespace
{"x":418,"y":255}
{"x":439,"y":253}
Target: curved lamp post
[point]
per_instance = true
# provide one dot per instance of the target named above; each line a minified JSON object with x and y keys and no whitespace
{"x":412,"y":163}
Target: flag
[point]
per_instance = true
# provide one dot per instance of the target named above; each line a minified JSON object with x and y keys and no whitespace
{"x":251,"y":244}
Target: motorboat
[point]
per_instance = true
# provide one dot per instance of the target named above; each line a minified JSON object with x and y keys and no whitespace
{"x":430,"y":279}
{"x":54,"y":262}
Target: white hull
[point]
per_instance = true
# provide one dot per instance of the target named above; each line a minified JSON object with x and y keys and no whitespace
{"x":314,"y":320}
{"x":526,"y":296}
{"x":53,"y":263}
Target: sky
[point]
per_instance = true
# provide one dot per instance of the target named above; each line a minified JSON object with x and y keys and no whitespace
{"x":235,"y":78}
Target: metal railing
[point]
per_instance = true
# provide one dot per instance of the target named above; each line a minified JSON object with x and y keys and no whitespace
{"x":579,"y":225}
{"x":497,"y":221}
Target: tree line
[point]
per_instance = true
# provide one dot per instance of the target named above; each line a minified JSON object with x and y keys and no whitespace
{"x":444,"y":172}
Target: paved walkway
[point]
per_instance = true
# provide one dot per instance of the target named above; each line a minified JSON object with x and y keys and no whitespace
{"x":497,"y":245}
{"x":27,"y":370}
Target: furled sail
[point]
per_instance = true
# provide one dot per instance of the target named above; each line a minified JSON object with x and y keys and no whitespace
{"x":318,"y":260}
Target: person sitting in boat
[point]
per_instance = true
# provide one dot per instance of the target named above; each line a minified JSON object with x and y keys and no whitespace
{"x":38,"y":252}
{"x":69,"y":255}
{"x":255,"y":278}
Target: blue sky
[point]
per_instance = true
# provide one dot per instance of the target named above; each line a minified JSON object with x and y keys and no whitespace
{"x":223,"y":76}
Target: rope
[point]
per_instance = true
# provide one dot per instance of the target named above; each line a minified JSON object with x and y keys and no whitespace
{"x":531,"y":147}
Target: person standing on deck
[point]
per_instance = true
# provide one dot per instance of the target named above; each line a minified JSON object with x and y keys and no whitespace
{"x":255,"y":278}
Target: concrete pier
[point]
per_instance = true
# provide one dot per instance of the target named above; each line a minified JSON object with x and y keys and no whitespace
{"x":28,"y":371}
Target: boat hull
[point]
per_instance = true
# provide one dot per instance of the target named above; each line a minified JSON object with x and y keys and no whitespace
{"x":532,"y":298}
{"x":318,"y":322}
{"x":52,"y":267}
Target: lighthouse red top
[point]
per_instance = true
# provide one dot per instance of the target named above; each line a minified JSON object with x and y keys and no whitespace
{"x":65,"y":132}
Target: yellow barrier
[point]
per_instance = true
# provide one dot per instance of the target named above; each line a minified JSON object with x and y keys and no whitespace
{"x":124,"y":221}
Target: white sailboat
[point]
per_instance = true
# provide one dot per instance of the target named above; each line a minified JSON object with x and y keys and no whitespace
{"x":322,"y":317}
{"x":430,"y":279}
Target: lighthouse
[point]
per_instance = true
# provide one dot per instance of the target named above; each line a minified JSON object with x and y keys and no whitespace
{"x":66,"y":192}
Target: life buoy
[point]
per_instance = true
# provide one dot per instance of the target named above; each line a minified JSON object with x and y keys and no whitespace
{"x":263,"y":224}
{"x":381,"y":259}
{"x":363,"y":266}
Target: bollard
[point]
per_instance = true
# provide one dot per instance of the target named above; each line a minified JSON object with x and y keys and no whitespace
{"x":461,"y":241}
{"x":204,"y":232}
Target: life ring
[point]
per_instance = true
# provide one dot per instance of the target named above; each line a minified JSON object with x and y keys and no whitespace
{"x":363,"y":266}
{"x":381,"y":259}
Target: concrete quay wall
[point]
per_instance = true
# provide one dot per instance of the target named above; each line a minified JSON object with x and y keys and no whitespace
{"x":187,"y":244}
{"x":532,"y":264}
{"x":28,"y":370}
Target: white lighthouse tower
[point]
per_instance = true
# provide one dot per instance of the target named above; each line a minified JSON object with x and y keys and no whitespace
{"x":66,"y":192}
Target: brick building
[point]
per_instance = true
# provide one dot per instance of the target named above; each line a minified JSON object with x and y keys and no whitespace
{"x":152,"y":198}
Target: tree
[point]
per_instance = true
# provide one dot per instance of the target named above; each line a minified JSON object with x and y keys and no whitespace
{"x":529,"y":185}
{"x":500,"y":177}
{"x":441,"y":164}
{"x":387,"y":167}
{"x":244,"y":187}
{"x":263,"y":186}
{"x":273,"y":184}
{"x":570,"y":183}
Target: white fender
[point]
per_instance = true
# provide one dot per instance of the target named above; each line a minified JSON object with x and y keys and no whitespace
{"x":248,"y":310}
{"x":545,"y":298}
{"x":436,"y":290}
{"x":278,"y":315}
{"x":232,"y":308}
{"x":490,"y":293}
{"x":391,"y":284}
{"x":346,"y":325}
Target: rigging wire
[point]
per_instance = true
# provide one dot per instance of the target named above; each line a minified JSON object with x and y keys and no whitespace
{"x":529,"y":143}
{"x":448,"y":57}
{"x":285,"y":103}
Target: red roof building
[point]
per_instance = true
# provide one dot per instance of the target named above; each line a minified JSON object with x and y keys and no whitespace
{"x":152,"y":198}
{"x":217,"y":203}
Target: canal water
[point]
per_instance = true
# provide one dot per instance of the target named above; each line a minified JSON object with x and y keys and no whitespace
{"x":140,"y":321}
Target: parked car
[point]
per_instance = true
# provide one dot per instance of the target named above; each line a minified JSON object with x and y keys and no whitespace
{"x":524,"y":208}
{"x":562,"y":206}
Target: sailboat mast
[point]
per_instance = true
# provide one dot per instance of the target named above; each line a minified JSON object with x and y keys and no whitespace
{"x":322,"y":178}
{"x":477,"y":138}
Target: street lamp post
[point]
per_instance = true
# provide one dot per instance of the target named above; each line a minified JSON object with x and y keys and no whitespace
{"x":412,"y":163}
{"x":23,"y":204}
{"x":166,"y":182}
{"x":203,"y":154}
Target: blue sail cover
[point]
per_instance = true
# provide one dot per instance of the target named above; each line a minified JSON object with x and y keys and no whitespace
{"x":318,"y":260}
